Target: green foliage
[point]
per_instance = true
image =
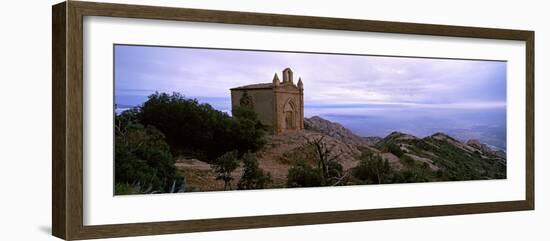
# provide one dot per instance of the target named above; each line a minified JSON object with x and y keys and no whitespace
{"x":198,"y":130}
{"x":414,"y":172}
{"x":247,"y":132}
{"x":253,"y":177}
{"x":147,"y":137}
{"x":125,"y":189}
{"x":224,"y":166}
{"x":302,"y":174}
{"x":373,"y":169}
{"x":142,"y":156}
{"x":456,"y":164}
{"x":408,"y":161}
{"x":394,"y":149}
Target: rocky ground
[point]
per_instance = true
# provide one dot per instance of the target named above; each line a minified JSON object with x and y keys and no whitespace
{"x":276,"y":157}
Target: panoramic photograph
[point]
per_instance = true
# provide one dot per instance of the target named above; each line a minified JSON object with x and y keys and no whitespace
{"x":203,"y":119}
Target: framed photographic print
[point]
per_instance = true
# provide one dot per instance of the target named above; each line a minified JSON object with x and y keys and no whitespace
{"x":172,"y":120}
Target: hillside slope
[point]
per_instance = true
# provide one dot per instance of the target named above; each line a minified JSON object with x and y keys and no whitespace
{"x":453,"y":159}
{"x":438,"y":157}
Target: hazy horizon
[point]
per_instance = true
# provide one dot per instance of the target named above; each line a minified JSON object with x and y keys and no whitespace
{"x":371,"y":95}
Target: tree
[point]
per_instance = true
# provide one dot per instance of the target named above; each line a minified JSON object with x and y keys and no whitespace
{"x":224,"y":166}
{"x":326,"y":171}
{"x":248,"y":133}
{"x":142,"y":157}
{"x":253,"y":177}
{"x":372,"y":169}
{"x":198,"y":130}
{"x":326,"y":159}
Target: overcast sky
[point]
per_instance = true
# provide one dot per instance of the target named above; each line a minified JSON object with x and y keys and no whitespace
{"x":328,"y":78}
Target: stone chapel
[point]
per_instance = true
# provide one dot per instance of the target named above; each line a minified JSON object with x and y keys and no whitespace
{"x":279,"y":105}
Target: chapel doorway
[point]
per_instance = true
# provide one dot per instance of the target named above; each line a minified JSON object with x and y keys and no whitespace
{"x":290,"y":116}
{"x":289,"y":120}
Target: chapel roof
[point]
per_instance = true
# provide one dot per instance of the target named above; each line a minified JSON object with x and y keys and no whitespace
{"x":254,"y":86}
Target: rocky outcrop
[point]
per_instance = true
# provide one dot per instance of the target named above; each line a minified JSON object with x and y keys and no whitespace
{"x":396,"y":135}
{"x":281,"y":151}
{"x":485,"y":149}
{"x":478,"y":145}
{"x":334,"y":130}
{"x":450,"y":140}
{"x":372,"y":140}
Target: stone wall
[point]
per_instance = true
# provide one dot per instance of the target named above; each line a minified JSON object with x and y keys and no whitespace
{"x":262,"y":102}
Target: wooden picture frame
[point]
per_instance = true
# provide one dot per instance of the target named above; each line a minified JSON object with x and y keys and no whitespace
{"x":67,"y":152}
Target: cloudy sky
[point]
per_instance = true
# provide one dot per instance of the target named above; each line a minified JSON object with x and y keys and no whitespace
{"x":334,"y":85}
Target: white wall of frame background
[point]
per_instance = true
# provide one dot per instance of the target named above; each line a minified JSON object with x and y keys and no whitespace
{"x":25,"y":122}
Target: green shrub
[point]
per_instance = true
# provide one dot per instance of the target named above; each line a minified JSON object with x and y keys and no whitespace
{"x":394,"y":149}
{"x":224,"y":166}
{"x":253,"y":177}
{"x":125,"y":188}
{"x":407,"y":160}
{"x":411,"y":175}
{"x":415,"y":171}
{"x":247,"y":132}
{"x":303,"y":174}
{"x":373,"y":169}
{"x":198,"y":130}
{"x":141,"y":155}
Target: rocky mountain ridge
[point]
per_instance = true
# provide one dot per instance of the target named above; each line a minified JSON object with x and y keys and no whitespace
{"x":438,"y":152}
